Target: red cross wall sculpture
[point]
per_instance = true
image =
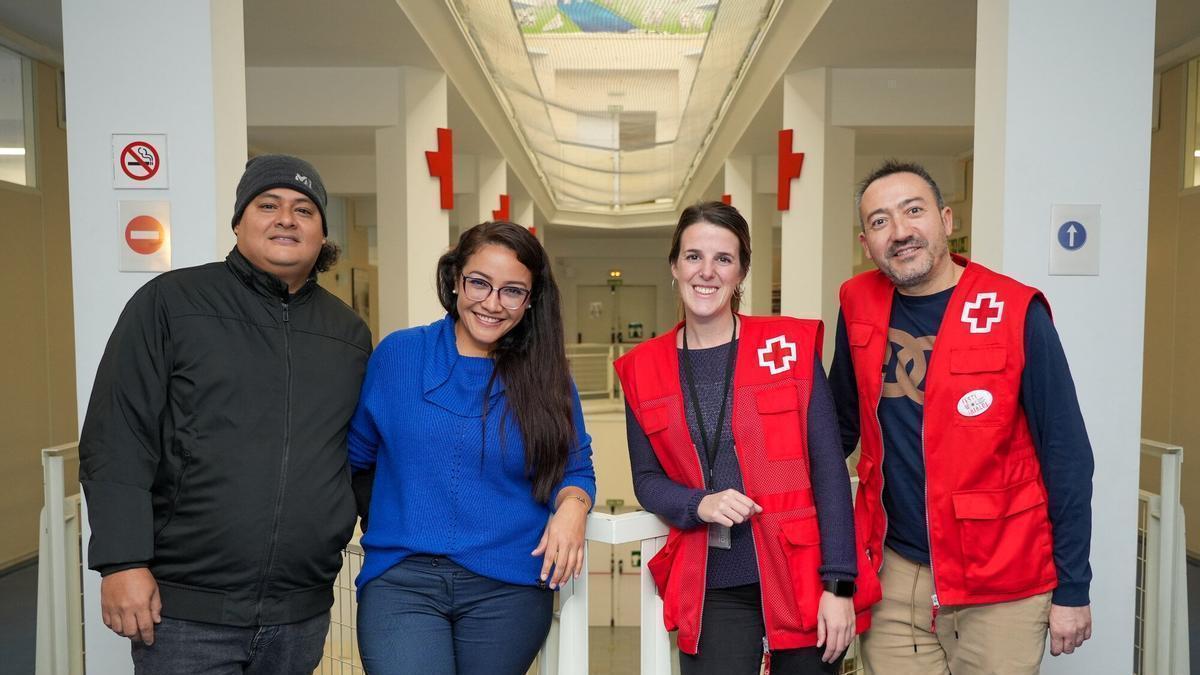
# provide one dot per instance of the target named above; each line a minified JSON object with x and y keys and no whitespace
{"x":503,"y":212}
{"x":441,"y":166}
{"x":790,"y":164}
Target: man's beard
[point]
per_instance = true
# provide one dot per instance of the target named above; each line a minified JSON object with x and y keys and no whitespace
{"x":913,"y":274}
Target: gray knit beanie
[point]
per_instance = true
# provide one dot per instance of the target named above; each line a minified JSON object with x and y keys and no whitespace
{"x":279,"y":171}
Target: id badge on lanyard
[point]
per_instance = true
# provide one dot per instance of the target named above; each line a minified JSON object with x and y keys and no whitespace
{"x":719,"y":536}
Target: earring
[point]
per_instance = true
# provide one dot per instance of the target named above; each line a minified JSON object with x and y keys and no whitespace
{"x":672,"y":283}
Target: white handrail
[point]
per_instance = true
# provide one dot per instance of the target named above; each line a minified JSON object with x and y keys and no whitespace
{"x":61,"y":647}
{"x":572,"y":629}
{"x":1171,"y":466}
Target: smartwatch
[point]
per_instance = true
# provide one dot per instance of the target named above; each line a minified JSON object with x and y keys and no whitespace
{"x":842,"y":588}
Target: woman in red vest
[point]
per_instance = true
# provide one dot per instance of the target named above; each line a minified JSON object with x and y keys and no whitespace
{"x":733,"y":441}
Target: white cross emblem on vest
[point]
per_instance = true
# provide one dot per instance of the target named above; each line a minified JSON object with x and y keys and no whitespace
{"x":985,"y":310}
{"x":777,"y":354}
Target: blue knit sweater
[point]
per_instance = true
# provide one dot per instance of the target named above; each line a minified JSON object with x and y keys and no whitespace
{"x":439,"y":488}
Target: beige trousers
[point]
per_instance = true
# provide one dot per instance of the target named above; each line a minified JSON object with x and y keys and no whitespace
{"x":1002,"y":638}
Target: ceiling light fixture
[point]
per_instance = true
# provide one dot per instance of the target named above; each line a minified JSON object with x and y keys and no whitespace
{"x":12,"y":152}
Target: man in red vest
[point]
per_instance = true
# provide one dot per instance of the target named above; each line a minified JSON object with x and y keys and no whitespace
{"x":976,"y":471}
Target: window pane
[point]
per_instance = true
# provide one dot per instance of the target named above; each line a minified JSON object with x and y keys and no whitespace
{"x":1191,"y":159}
{"x":16,"y":119}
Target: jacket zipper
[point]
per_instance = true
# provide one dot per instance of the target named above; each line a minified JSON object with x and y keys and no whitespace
{"x":283,"y":464}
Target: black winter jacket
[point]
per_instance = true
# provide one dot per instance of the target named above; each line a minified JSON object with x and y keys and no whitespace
{"x":214,"y":447}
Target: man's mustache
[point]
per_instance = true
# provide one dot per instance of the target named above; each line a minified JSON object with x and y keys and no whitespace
{"x":906,"y":243}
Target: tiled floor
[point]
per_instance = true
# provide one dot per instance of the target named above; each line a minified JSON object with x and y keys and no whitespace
{"x":1193,"y":591}
{"x":614,"y":651}
{"x":18,"y":619}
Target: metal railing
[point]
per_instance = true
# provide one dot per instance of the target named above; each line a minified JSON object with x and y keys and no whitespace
{"x":566,"y":650}
{"x":591,"y":368}
{"x":1161,"y":612}
{"x":341,"y":643}
{"x":59,"y":649}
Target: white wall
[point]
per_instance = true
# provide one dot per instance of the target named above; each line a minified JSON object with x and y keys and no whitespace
{"x":897,"y":97}
{"x":176,"y":92}
{"x":1039,"y":65}
{"x":586,"y":262}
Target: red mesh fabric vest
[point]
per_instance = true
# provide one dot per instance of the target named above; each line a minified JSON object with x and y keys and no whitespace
{"x":771,"y":387}
{"x":989,"y":532}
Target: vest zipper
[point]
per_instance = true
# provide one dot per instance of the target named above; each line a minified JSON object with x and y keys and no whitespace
{"x":882,"y":480}
{"x":283,"y":465}
{"x":762,"y":600}
{"x":704,"y":570}
{"x":933,"y":612}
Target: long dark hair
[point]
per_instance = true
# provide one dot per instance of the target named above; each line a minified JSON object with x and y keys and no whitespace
{"x":531,"y":358}
{"x":722,"y":215}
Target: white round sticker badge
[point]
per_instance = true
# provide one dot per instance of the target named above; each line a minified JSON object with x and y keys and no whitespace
{"x":974,"y":403}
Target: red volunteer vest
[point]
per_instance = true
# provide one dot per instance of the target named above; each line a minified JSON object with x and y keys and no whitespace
{"x":989,"y":532}
{"x":771,"y":386}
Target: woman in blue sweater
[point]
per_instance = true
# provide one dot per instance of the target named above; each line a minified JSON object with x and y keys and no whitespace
{"x":483,"y":471}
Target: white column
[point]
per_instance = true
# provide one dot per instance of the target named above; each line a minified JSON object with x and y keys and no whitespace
{"x":739,"y":185}
{"x":493,"y":182}
{"x":815,"y":255}
{"x":522,"y":210}
{"x":413,"y":228}
{"x":1063,"y":115}
{"x":145,"y":67}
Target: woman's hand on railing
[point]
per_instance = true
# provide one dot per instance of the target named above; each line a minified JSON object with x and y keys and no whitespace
{"x":835,"y":625}
{"x":562,"y":541}
{"x":727,"y":507}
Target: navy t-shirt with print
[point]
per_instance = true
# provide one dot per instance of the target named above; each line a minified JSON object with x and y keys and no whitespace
{"x":1051,"y":408}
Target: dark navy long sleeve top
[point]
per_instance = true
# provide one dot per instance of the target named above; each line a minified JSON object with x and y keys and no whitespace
{"x":1051,"y":408}
{"x":677,"y":504}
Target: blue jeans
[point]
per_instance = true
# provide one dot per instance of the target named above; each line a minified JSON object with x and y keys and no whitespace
{"x":429,"y":616}
{"x":211,"y":649}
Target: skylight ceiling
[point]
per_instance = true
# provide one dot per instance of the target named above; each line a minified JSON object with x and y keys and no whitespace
{"x":614,"y":99}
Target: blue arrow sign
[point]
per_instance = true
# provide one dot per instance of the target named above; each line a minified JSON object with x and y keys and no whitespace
{"x":1072,"y":235}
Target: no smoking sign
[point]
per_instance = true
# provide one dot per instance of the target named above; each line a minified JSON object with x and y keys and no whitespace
{"x":139,"y":161}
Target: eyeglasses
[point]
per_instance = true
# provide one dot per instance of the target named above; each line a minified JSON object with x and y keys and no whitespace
{"x":478,"y":290}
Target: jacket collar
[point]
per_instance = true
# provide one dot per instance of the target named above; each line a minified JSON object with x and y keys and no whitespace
{"x":265,"y":283}
{"x":463,"y":393}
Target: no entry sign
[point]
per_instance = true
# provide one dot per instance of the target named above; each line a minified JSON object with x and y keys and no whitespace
{"x":139,"y":161}
{"x":145,"y":236}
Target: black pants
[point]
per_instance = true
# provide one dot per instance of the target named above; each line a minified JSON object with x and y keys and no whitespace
{"x":731,"y":640}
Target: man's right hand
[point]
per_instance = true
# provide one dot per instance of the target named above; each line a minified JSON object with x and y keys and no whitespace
{"x":130,"y":604}
{"x":728,"y":508}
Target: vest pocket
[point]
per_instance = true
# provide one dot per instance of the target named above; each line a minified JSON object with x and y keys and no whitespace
{"x":978,"y":376}
{"x":654,"y":419}
{"x":660,"y":567}
{"x":783,"y":425}
{"x":801,"y":541}
{"x":859,"y":333}
{"x":868,"y":590}
{"x":1005,"y":536}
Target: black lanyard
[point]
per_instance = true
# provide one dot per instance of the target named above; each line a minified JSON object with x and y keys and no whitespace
{"x":710,"y":449}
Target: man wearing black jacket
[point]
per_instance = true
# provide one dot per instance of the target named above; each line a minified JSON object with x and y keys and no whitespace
{"x":213,"y":454}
